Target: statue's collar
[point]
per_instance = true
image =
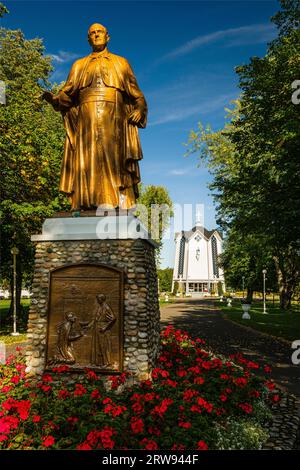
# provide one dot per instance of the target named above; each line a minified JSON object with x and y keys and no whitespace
{"x":96,"y":55}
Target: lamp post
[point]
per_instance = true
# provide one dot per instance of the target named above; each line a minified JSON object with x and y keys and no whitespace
{"x":15,"y":251}
{"x":243,"y":281}
{"x":180,"y":285}
{"x":264,"y":271}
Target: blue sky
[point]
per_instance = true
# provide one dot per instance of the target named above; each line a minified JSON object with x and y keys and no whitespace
{"x":183,"y":55}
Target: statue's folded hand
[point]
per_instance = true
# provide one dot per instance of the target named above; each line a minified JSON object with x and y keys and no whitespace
{"x":135,"y":116}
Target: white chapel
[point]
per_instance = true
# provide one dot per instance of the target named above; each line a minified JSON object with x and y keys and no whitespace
{"x":196,"y":261}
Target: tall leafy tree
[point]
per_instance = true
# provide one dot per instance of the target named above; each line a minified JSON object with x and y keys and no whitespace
{"x":165,"y":277}
{"x":158,"y":210}
{"x":254,"y":159}
{"x":31,"y":145}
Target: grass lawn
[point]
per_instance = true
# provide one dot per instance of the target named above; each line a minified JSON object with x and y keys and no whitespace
{"x":6,"y":326}
{"x":283,"y":324}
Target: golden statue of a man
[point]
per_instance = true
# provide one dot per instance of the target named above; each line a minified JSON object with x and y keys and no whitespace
{"x":102,"y":107}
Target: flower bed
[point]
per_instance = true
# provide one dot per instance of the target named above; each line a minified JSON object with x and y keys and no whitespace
{"x":195,"y":400}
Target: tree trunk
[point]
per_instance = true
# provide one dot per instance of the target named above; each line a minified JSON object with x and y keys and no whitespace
{"x":288,"y":276}
{"x":249,"y":294}
{"x":285,"y":299}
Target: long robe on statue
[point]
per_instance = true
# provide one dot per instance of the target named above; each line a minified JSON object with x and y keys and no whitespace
{"x":102,"y":149}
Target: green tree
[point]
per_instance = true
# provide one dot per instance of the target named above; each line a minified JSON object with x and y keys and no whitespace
{"x":159,"y":209}
{"x":245,"y":256}
{"x":165,"y":277}
{"x":254,"y":159}
{"x":31,"y":145}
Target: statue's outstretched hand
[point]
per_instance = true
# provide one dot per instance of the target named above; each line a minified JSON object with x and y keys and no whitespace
{"x":135,"y":116}
{"x":48,"y":96}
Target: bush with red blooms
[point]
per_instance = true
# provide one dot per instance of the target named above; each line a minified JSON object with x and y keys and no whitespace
{"x":192,"y":397}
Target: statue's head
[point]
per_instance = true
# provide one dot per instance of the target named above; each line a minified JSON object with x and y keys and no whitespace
{"x":98,"y":37}
{"x":70,"y":317}
{"x":101,"y":298}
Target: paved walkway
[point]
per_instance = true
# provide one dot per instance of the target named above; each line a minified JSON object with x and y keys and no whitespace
{"x":200,"y":318}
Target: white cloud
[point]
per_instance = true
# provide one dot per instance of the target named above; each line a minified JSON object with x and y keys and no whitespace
{"x":188,"y":170}
{"x":251,"y":34}
{"x":184,"y":111}
{"x":63,"y":57}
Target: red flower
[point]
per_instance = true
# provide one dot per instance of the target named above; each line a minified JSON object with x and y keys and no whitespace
{"x":241,"y":381}
{"x":204,"y":404}
{"x":198,"y":380}
{"x":91,"y":374}
{"x":63,"y":394}
{"x":107,"y":400}
{"x":189,"y":394}
{"x":47,"y":378}
{"x":154,"y":430}
{"x":84,"y":446}
{"x":149,"y":396}
{"x":95,"y":394}
{"x":23,"y":408}
{"x":114,"y":410}
{"x":162,"y":408}
{"x":7,"y":423}
{"x":201,"y":445}
{"x":46,"y":388}
{"x":72,"y":420}
{"x":223,"y":397}
{"x":15,"y":379}
{"x":36,"y":419}
{"x":160,"y":372}
{"x":252,"y":365}
{"x":267,"y":369}
{"x":48,"y":441}
{"x":246,"y":407}
{"x":171,"y":383}
{"x":207,"y":365}
{"x":224,"y":377}
{"x":275,"y":398}
{"x":80,"y":390}
{"x":181,"y":373}
{"x":137,"y":425}
{"x":185,"y":425}
{"x":150,"y":444}
{"x":61,"y":369}
{"x":270,"y":385}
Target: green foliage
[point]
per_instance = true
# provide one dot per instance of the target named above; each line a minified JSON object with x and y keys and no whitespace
{"x":159,"y":209}
{"x":240,"y":435}
{"x":165,"y":277}
{"x":255,"y":162}
{"x":31,"y":146}
{"x":176,"y":287}
{"x":189,"y":402}
{"x":246,"y":256}
{"x":3,"y":10}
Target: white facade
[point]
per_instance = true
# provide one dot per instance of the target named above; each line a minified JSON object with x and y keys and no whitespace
{"x":196,"y":261}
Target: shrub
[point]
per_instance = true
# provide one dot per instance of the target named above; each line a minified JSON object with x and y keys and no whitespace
{"x":195,"y":400}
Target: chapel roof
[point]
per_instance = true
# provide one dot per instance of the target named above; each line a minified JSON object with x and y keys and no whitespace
{"x":207,"y":233}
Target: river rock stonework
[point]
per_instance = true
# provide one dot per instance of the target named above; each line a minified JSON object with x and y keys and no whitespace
{"x":136,"y":258}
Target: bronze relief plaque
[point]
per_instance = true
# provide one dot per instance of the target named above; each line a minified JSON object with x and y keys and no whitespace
{"x":85,"y":318}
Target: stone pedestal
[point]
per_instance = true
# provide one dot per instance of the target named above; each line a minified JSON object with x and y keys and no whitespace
{"x":76,"y":260}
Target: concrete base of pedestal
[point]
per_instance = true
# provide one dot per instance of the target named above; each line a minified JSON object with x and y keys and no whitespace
{"x":126,"y":247}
